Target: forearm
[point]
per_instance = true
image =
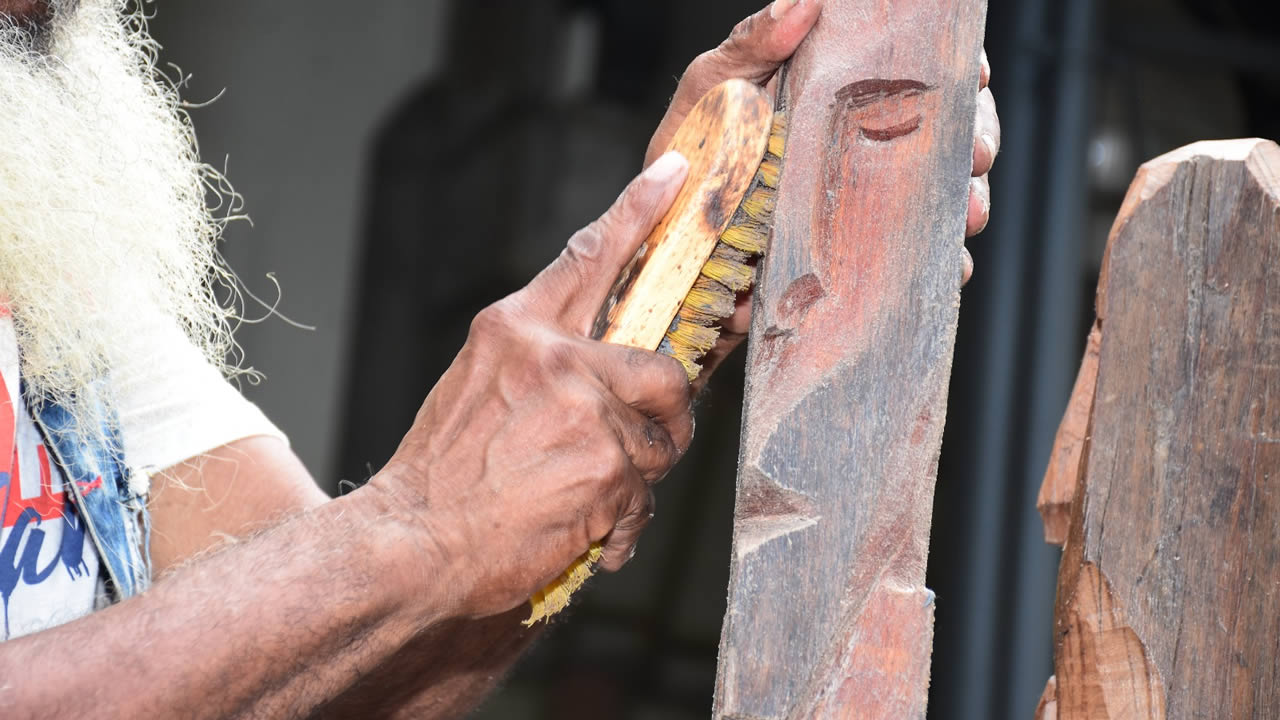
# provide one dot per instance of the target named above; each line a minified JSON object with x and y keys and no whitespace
{"x":270,"y":627}
{"x":443,"y":673}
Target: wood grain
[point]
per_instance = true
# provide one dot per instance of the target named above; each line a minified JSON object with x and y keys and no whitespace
{"x":851,"y":345}
{"x":1167,"y":602}
{"x":1047,"y":708}
{"x":724,"y":139}
{"x":1059,"y":485}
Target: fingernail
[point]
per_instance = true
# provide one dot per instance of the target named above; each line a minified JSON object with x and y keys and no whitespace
{"x":671,"y":164}
{"x":781,"y":7}
{"x":976,"y":184}
{"x":980,"y":191}
{"x":990,"y":142}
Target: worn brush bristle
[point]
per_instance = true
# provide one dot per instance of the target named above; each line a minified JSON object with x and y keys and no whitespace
{"x":555,"y":597}
{"x":758,"y":205}
{"x":729,"y":270}
{"x":733,"y":275}
{"x":708,"y":298}
{"x":749,"y":237}
{"x":770,"y":169}
{"x":695,"y":328}
{"x":691,"y":334}
{"x":686,"y":354}
{"x":778,"y":135}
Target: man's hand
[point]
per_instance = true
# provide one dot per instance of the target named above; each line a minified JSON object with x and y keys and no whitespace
{"x":754,"y":51}
{"x":539,"y":441}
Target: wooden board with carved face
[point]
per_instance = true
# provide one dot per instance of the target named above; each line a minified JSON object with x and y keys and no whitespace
{"x":848,"y":367}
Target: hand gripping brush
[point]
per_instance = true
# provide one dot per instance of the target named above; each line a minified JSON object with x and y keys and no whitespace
{"x":686,"y":276}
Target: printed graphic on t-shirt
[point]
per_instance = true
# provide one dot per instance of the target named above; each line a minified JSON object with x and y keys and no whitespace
{"x":48,"y":566}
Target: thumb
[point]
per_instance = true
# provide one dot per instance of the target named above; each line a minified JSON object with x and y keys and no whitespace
{"x":575,"y":286}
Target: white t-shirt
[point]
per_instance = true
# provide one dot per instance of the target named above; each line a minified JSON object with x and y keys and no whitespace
{"x":172,"y":406}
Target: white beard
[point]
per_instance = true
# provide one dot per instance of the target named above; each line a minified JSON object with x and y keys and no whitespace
{"x":105,"y":230}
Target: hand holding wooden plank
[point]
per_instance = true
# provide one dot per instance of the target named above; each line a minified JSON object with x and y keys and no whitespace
{"x":754,"y":51}
{"x":848,"y":370}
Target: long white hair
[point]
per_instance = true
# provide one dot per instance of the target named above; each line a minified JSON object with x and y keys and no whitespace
{"x":106,"y":227}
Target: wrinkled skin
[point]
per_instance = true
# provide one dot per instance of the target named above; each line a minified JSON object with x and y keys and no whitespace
{"x":536,"y":442}
{"x":754,"y":51}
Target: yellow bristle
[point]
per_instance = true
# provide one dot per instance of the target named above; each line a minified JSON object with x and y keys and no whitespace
{"x":555,"y":596}
{"x":698,"y":337}
{"x":725,"y":251}
{"x":688,"y":313}
{"x":770,"y":170}
{"x":778,"y":136}
{"x":759,"y":204}
{"x":711,"y":298}
{"x":694,"y":331}
{"x":686,"y":354}
{"x":748,"y":237}
{"x":538,"y":608}
{"x":733,"y":275}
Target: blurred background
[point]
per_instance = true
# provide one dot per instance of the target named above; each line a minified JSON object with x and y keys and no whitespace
{"x":407,"y":162}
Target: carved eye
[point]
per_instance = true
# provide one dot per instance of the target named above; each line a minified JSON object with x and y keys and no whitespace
{"x":884,"y":110}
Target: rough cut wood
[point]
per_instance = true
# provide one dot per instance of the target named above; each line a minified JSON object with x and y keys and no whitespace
{"x":848,"y":368}
{"x":1167,"y":603}
{"x":1047,"y":709}
{"x":1059,"y":485}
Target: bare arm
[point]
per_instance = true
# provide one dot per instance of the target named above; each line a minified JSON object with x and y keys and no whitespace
{"x":536,"y":443}
{"x":450,"y":668}
{"x":270,"y":626}
{"x":238,"y":490}
{"x":446,"y":669}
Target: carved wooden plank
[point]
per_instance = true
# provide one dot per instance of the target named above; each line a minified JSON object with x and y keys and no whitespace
{"x":848,"y":367}
{"x":1167,"y":602}
{"x":1059,"y":485}
{"x":1047,"y":708}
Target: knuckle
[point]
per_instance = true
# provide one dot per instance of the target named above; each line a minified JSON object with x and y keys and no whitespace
{"x":674,"y":379}
{"x":586,"y":246}
{"x":740,"y":36}
{"x":492,"y":322}
{"x":669,"y":383}
{"x":697,"y":75}
{"x":585,"y":416}
{"x":700,"y":64}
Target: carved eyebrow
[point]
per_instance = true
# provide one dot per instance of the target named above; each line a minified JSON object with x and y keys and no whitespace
{"x":865,"y":92}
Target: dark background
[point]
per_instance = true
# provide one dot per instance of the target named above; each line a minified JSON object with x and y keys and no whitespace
{"x":408,"y":161}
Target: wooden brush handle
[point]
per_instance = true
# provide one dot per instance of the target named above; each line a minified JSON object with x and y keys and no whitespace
{"x":723,"y":138}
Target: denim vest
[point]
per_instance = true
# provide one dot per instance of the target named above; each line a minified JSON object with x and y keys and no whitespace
{"x":115,"y":518}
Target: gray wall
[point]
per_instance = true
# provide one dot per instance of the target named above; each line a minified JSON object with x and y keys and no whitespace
{"x":305,"y":83}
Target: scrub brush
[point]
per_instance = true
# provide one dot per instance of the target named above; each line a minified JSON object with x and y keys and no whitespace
{"x":686,"y":276}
